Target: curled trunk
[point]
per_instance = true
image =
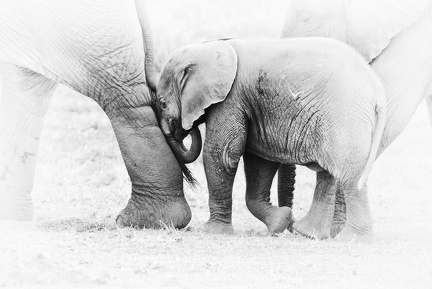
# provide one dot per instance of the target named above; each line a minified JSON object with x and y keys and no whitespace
{"x":183,"y":154}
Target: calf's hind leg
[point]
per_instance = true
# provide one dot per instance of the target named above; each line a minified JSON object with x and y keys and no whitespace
{"x":339,"y":217}
{"x":259,"y":176}
{"x":317,"y":222}
{"x":358,"y":223}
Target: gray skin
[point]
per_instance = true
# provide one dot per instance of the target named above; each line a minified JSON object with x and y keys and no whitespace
{"x":395,"y":37}
{"x":103,"y":50}
{"x":313,"y":102}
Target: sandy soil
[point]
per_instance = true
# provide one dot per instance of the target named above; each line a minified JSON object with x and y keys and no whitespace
{"x":81,"y":183}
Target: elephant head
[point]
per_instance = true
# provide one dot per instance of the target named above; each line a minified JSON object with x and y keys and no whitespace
{"x":195,"y":77}
{"x":367,"y":25}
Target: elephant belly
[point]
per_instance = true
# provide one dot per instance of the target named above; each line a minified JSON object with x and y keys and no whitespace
{"x":284,"y":153}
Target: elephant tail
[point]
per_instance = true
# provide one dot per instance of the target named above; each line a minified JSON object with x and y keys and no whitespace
{"x":380,"y":113}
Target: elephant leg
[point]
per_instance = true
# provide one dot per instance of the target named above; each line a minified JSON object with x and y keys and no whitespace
{"x":259,"y":176}
{"x":317,"y":222}
{"x":358,"y":223}
{"x":224,"y":145}
{"x":339,"y":216}
{"x":286,"y":181}
{"x":25,"y":98}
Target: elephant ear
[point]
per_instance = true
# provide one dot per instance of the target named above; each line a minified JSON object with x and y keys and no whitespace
{"x":207,"y":80}
{"x":373,"y":23}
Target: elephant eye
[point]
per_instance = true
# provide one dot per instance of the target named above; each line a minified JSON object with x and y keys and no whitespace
{"x":163,"y":103}
{"x":188,"y":68}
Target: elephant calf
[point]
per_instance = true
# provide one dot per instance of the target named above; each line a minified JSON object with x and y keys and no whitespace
{"x":306,"y":101}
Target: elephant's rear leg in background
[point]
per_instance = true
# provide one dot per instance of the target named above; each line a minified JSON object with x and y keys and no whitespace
{"x":24,"y":100}
{"x":259,"y":176}
{"x":286,"y":181}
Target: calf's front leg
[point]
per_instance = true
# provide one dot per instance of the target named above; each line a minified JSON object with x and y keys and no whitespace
{"x":223,"y":147}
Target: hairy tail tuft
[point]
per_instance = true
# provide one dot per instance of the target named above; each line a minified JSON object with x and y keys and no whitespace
{"x":188,"y":176}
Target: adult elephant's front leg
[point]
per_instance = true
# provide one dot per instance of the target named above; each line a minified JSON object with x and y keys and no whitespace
{"x":223,"y":147}
{"x":157,"y":198}
{"x":259,"y":176}
{"x":24,"y":100}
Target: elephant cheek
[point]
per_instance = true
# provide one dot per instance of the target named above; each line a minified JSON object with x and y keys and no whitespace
{"x":172,"y":127}
{"x":165,"y":127}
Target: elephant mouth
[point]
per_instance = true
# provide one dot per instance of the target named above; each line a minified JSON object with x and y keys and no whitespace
{"x":180,"y":134}
{"x":172,"y":129}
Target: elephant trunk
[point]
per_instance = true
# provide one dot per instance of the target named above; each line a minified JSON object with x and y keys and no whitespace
{"x":183,"y":154}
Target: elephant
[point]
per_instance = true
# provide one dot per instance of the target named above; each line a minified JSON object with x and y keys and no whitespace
{"x":395,"y":37}
{"x":104,"y":50}
{"x":308,"y":101}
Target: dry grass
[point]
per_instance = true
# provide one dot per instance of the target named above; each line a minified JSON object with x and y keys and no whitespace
{"x":81,"y":181}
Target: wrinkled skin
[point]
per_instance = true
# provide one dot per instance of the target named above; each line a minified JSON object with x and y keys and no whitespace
{"x":102,"y":49}
{"x":272,"y":102}
{"x":394,"y":36}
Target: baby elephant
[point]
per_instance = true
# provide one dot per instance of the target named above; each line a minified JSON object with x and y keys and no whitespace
{"x":306,"y":101}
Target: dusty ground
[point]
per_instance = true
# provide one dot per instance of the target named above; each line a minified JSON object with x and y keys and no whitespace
{"x":81,"y":181}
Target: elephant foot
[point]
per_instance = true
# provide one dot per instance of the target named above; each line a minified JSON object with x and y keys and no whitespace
{"x":279,"y":220}
{"x":311,"y":228}
{"x":161,"y":214}
{"x":336,"y":227}
{"x":351,"y":234}
{"x":215,"y":227}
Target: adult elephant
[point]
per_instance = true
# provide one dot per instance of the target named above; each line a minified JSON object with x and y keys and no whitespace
{"x":394,"y":36}
{"x":102,"y":49}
